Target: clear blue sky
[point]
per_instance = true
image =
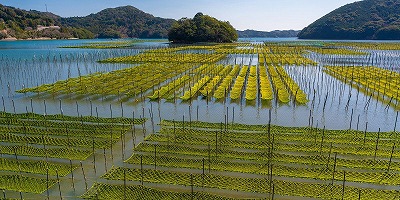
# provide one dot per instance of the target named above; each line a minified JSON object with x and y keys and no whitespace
{"x":265,"y":15}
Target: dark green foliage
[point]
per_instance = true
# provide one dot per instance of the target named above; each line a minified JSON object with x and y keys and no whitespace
{"x":368,"y":19}
{"x":23,"y":24}
{"x":202,"y":28}
{"x":122,"y":22}
{"x":389,"y":32}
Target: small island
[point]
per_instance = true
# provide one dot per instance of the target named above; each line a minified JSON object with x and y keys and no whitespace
{"x":202,"y":28}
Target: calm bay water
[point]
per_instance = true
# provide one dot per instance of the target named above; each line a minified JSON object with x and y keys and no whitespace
{"x":32,"y":63}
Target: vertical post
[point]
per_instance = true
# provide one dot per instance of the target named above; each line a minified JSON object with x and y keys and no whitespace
{"x":141,"y":168}
{"x":155,"y":156}
{"x":124,"y":183}
{"x":13,"y":104}
{"x":322,"y":141}
{"x":191,"y":186}
{"x":91,"y":108}
{"x":111,"y":113}
{"x":190,"y":115}
{"x":47,"y":183}
{"x":134,"y":129}
{"x":4,"y":106}
{"x":344,"y":184}
{"x":183,"y":122}
{"x":329,"y":156}
{"x":233,"y":115}
{"x":227,"y":117}
{"x":391,"y":157}
{"x":31,"y":106}
{"x":197,"y":113}
{"x":122,"y":110}
{"x":58,"y":182}
{"x":376,"y":143}
{"x":84,"y":177}
{"x":203,"y":167}
{"x":209,"y":158}
{"x":351,"y":118}
{"x":77,"y":108}
{"x":395,"y":123}
{"x":365,"y":132}
{"x":334,"y":169}
{"x":105,"y":159}
{"x":316,"y":133}
{"x":72,"y":174}
{"x":273,"y":191}
{"x":94,"y":156}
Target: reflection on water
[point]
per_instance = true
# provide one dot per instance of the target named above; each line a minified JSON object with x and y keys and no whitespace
{"x":332,"y":104}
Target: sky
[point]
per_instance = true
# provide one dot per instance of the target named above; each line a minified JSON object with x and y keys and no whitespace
{"x":262,"y":15}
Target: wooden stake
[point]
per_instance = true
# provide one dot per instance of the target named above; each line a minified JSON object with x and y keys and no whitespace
{"x":351,"y":118}
{"x":13,"y":104}
{"x":47,"y":183}
{"x":376,"y":143}
{"x":197,"y":113}
{"x":344,"y":184}
{"x":273,"y":191}
{"x":94,"y":156}
{"x":31,"y":106}
{"x":91,"y":108}
{"x":191,"y":186}
{"x":124,"y":183}
{"x":105,"y":159}
{"x":203,"y":167}
{"x":72,"y":174}
{"x":391,"y":157}
{"x":4,"y":106}
{"x":209,"y":158}
{"x":59,"y":186}
{"x":84,"y":177}
{"x":334,"y":169}
{"x":395,"y":123}
{"x":141,"y":169}
{"x":155,"y":156}
{"x":365,"y":132}
{"x":322,"y":140}
{"x":329,"y":156}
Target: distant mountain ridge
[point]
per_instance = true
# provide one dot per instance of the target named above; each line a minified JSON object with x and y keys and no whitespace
{"x":368,"y":19}
{"x":265,"y":34}
{"x":120,"y":22}
{"x":126,"y":21}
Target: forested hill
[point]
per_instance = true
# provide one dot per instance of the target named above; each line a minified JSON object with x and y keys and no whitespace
{"x":22,"y":24}
{"x":368,"y":19}
{"x":126,"y":21}
{"x":266,"y":34}
{"x":118,"y":22}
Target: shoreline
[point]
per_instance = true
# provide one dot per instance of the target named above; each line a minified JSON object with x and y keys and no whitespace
{"x":36,"y":39}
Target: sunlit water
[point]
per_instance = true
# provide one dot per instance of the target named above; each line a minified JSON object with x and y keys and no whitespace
{"x":334,"y":105}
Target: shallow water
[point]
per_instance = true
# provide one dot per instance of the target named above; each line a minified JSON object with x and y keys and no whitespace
{"x":334,"y":106}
